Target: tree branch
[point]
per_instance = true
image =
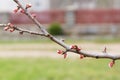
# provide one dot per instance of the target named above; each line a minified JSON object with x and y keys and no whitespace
{"x":73,"y":48}
{"x":22,"y":30}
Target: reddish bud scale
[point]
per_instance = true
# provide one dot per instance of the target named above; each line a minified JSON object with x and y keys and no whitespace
{"x":73,"y":47}
{"x":12,"y":30}
{"x":65,"y":56}
{"x":10,"y":25}
{"x":15,"y":10}
{"x":78,"y":49}
{"x":28,"y":5}
{"x":6,"y":28}
{"x":22,"y":11}
{"x":59,"y":51}
{"x":81,"y":56}
{"x":111,"y":64}
{"x":34,"y":15}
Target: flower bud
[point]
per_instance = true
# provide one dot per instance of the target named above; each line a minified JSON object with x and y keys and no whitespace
{"x":28,"y":6}
{"x":78,"y":49}
{"x":65,"y":56}
{"x":75,"y":47}
{"x":81,"y":56}
{"x":6,"y":28}
{"x":11,"y":30}
{"x":34,"y":15}
{"x":72,"y":47}
{"x":15,"y":10}
{"x":10,"y":25}
{"x":59,"y":51}
{"x":111,"y":64}
{"x":22,"y":11}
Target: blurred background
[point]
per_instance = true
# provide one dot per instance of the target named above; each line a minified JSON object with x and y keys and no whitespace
{"x":91,"y":24}
{"x":91,"y":18}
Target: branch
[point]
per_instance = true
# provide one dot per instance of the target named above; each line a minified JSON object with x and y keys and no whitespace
{"x":12,"y":28}
{"x":73,"y":48}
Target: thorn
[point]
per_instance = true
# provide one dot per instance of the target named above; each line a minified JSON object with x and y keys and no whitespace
{"x":105,"y":50}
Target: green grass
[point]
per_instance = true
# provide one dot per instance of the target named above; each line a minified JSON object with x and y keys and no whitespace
{"x":96,"y":40}
{"x":57,"y":69}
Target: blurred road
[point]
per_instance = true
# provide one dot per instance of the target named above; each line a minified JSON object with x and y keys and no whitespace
{"x":49,"y":50}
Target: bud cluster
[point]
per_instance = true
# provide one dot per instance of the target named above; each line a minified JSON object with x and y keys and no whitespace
{"x":75,"y":47}
{"x":9,"y":27}
{"x":62,"y":52}
{"x":21,"y":10}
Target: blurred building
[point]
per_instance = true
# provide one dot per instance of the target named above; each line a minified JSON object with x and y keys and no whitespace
{"x":79,"y":17}
{"x":38,"y":5}
{"x":76,"y":4}
{"x":85,"y":4}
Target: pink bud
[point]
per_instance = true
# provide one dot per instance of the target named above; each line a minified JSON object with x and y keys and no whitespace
{"x":11,"y":30}
{"x":6,"y":28}
{"x":65,"y":56}
{"x":72,"y":47}
{"x":22,"y":11}
{"x":28,"y":5}
{"x":34,"y":15}
{"x":81,"y":56}
{"x":59,"y":51}
{"x":78,"y":48}
{"x":15,"y":10}
{"x":10,"y":25}
{"x":111,"y":64}
{"x":75,"y":47}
